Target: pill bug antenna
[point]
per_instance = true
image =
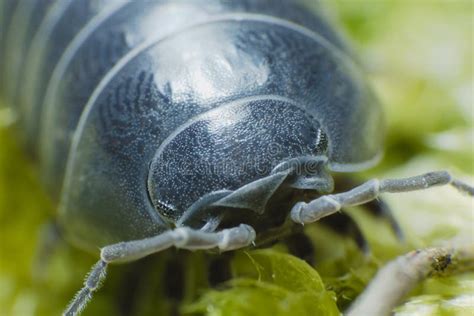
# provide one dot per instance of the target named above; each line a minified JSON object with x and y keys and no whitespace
{"x":379,"y":208}
{"x":92,"y":283}
{"x":212,"y":224}
{"x":182,"y":237}
{"x":329,"y":204}
{"x":463,"y":187}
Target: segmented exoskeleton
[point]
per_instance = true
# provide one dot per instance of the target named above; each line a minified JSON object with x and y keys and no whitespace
{"x":188,"y":123}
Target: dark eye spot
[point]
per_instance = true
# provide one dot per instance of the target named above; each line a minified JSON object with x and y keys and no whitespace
{"x":321,"y":142}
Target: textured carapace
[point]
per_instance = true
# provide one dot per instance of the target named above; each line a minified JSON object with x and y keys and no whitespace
{"x":195,"y":124}
{"x":143,"y":114}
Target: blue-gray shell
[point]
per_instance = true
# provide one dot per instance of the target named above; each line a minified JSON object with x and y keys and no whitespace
{"x":110,"y":82}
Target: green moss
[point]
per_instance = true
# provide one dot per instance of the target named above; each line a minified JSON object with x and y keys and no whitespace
{"x":422,"y":72}
{"x":268,"y":282}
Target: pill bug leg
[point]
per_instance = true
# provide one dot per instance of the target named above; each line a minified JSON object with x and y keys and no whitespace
{"x":301,"y":246}
{"x":329,"y":204}
{"x":378,"y":207}
{"x":182,"y":237}
{"x":132,"y":280}
{"x":219,"y":269}
{"x":381,"y":209}
{"x":344,"y":224}
{"x":92,"y":283}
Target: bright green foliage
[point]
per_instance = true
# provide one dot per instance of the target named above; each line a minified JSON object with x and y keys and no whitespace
{"x":267,"y":282}
{"x":419,"y":58}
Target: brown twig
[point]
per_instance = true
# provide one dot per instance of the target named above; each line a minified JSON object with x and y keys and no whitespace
{"x":396,"y":279}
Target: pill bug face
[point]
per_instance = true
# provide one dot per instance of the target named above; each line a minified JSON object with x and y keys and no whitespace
{"x":132,"y":73}
{"x":122,"y":91}
{"x":156,"y":113}
{"x":161,"y":86}
{"x":198,"y":160}
{"x":188,"y":123}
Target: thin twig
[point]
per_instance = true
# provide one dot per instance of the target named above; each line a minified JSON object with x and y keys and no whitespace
{"x":395,"y":280}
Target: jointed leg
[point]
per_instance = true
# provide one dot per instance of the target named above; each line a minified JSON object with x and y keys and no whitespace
{"x":300,"y":245}
{"x":343,"y":224}
{"x":380,"y":209}
{"x":183,"y":237}
{"x":329,"y":204}
{"x":219,"y":269}
{"x":93,"y":281}
{"x":377,"y":207}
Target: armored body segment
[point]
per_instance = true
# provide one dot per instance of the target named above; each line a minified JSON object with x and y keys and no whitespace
{"x":217,"y":122}
{"x":156,"y":90}
{"x":7,"y":8}
{"x":227,"y":148}
{"x":96,"y":49}
{"x":61,"y":23}
{"x":25,"y":21}
{"x":108,"y":37}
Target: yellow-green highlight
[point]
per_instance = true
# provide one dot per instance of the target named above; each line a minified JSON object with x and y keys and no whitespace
{"x":419,"y":58}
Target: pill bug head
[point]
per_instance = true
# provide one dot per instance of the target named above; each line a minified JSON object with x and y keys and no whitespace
{"x":237,"y":156}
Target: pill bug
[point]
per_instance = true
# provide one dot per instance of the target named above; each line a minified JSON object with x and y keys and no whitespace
{"x":126,"y":105}
{"x":88,"y":56}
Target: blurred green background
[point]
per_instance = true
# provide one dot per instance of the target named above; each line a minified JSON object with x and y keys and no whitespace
{"x":419,"y":56}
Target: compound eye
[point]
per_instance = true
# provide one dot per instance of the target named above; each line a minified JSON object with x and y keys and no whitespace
{"x":322,"y":142}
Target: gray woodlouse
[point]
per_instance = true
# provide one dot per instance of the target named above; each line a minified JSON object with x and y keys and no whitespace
{"x":190,"y":129}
